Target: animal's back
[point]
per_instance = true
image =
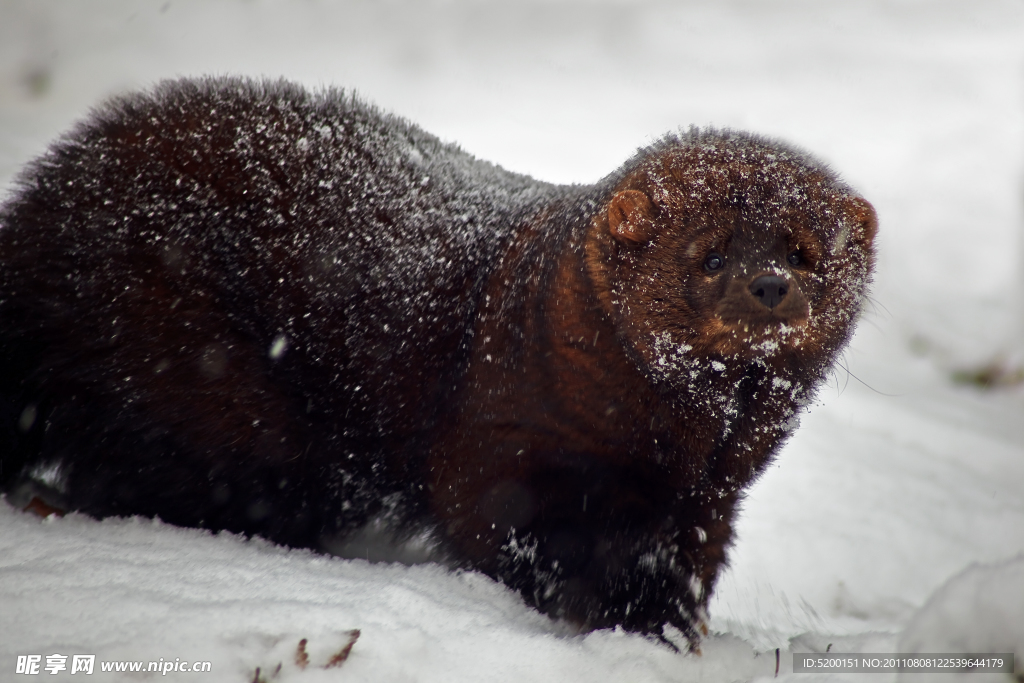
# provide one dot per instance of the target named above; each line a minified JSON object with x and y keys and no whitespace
{"x":201,"y":285}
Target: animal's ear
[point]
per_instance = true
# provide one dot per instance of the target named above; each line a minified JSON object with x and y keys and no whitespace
{"x":631,"y":217}
{"x":864,"y":221}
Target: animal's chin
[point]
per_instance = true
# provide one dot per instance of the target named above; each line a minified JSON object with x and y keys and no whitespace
{"x":751,"y":339}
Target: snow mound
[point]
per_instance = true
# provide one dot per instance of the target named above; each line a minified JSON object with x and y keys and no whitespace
{"x":150,"y":591}
{"x":980,"y":610}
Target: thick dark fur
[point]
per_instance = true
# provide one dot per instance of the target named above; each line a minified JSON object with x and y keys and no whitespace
{"x":238,"y":305}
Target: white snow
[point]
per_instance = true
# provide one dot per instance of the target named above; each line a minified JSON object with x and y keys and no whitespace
{"x":897,"y":479}
{"x":985,"y":598}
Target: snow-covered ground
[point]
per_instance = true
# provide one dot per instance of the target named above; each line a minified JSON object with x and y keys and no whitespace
{"x":899,"y":478}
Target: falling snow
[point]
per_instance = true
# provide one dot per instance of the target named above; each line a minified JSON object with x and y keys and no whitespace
{"x":884,"y":494}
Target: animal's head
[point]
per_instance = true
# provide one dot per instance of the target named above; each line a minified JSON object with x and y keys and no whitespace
{"x":720,"y":246}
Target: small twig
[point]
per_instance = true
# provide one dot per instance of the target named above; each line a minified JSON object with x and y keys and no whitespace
{"x":301,"y":658}
{"x":776,"y":662}
{"x":339,"y":658}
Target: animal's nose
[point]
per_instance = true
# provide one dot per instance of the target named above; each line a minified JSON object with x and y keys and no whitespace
{"x":770,"y":290}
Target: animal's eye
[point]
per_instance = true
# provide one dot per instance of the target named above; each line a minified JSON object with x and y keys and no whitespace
{"x":795,"y":259}
{"x":713,"y":262}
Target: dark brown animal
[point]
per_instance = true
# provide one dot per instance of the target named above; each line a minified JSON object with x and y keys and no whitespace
{"x":240,"y":306}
